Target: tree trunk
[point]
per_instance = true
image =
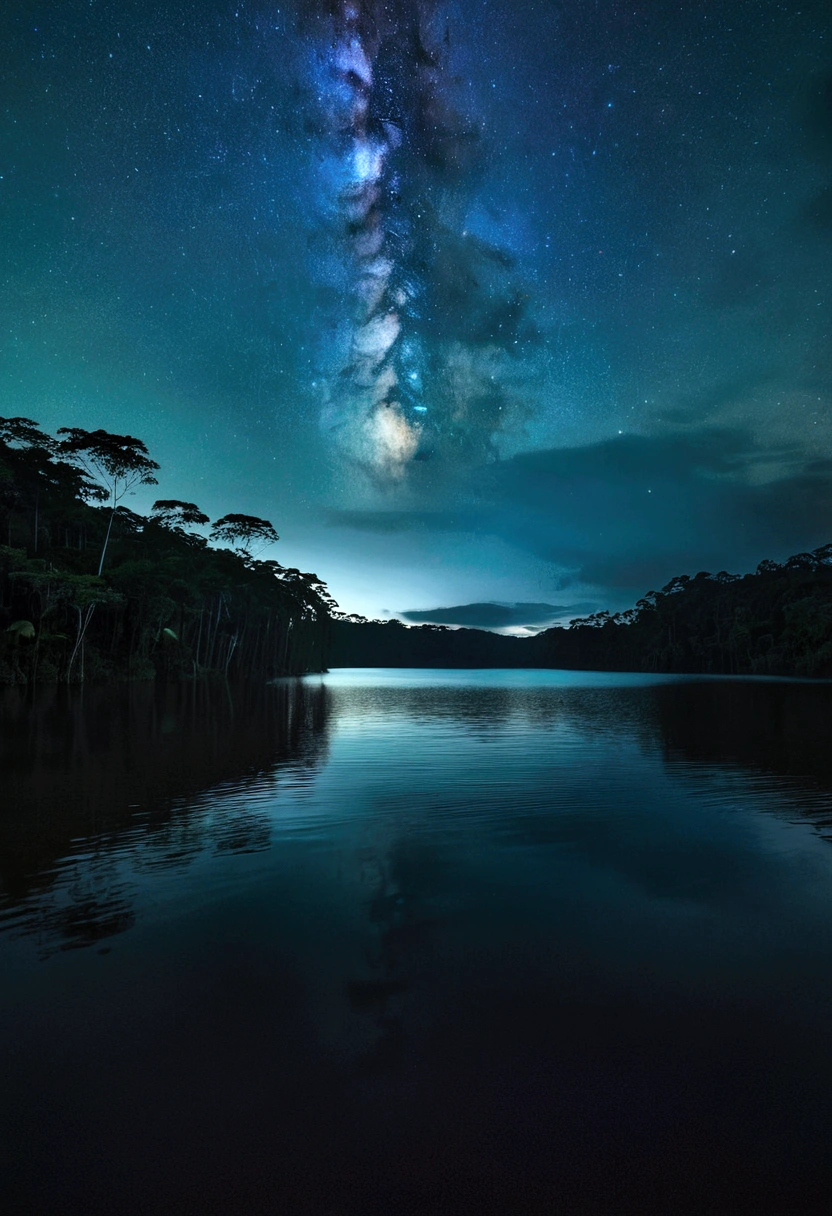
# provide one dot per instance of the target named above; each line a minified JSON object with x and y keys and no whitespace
{"x":83,"y":622}
{"x":107,"y":537}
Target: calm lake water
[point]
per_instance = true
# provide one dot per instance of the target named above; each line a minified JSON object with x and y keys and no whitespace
{"x":417,"y":941}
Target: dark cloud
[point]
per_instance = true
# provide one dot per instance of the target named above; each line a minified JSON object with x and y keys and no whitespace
{"x":711,"y":398}
{"x":696,"y":408}
{"x":383,"y":521}
{"x":638,"y":509}
{"x":498,"y":616}
{"x":628,"y":513}
{"x":727,"y":456}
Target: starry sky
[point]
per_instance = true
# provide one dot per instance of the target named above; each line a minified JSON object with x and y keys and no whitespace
{"x":502,"y":311}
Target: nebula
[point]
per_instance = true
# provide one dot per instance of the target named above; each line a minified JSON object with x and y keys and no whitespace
{"x":422,"y":335}
{"x":373,"y":404}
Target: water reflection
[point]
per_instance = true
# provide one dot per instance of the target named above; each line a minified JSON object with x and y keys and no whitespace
{"x":775,"y":730}
{"x":105,"y":784}
{"x":383,"y":942}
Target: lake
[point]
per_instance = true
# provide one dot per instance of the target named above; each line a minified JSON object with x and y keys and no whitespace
{"x":417,"y":942}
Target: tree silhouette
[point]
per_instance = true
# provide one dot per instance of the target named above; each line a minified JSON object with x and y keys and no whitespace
{"x":173,"y":513}
{"x":24,"y":433}
{"x":35,"y":465}
{"x":243,"y":531}
{"x":115,"y":464}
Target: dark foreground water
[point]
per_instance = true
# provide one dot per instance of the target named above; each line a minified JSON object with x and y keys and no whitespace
{"x":435,"y":942}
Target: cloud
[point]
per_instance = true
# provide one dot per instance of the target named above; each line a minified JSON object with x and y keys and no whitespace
{"x":639,"y":509}
{"x":387,"y":521}
{"x":498,"y":616}
{"x":627,"y":514}
{"x":697,"y":408}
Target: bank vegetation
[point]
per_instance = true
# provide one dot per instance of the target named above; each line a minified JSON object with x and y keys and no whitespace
{"x":91,"y":590}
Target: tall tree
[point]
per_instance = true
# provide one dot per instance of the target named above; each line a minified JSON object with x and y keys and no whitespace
{"x":115,"y":463}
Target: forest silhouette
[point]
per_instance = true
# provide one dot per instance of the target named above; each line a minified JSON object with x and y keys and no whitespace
{"x":776,"y":621}
{"x":92,"y":590}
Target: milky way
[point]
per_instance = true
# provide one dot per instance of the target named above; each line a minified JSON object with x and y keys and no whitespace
{"x":479,"y":301}
{"x":417,"y":368}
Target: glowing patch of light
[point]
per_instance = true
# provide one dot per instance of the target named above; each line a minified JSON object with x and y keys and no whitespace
{"x":368,"y":161}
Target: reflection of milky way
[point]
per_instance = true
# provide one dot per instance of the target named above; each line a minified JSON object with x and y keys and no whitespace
{"x":419,"y":354}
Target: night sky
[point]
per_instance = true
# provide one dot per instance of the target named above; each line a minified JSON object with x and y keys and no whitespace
{"x":500,"y":310}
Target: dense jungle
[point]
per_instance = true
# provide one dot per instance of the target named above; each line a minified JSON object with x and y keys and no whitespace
{"x":90,"y":590}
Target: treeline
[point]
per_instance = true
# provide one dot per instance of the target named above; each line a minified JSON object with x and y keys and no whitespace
{"x":92,"y":590}
{"x":777,"y":621}
{"x":360,"y":643}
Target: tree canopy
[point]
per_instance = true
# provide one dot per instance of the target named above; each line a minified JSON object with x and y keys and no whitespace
{"x":117,"y":462}
{"x":113,"y":463}
{"x":173,"y":513}
{"x":245,"y":531}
